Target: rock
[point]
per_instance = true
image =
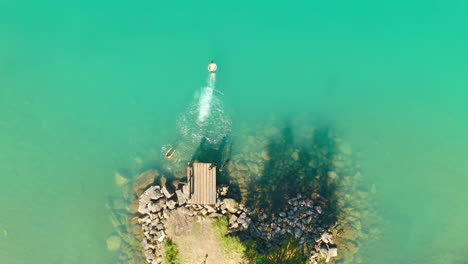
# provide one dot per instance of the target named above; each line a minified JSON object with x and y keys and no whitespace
{"x":113,"y":243}
{"x":186,"y":191}
{"x":156,"y":206}
{"x":332,"y":175}
{"x":161,"y":238}
{"x":232,"y":219}
{"x":171,"y":204}
{"x":332,"y":252}
{"x":210,"y":208}
{"x":318,"y":209}
{"x":144,"y":180}
{"x":242,"y":167}
{"x":120,"y":180}
{"x":297,"y":232}
{"x":167,"y":191}
{"x":324,"y":251}
{"x":154,"y":192}
{"x":295,"y":156}
{"x":327,"y":238}
{"x":133,"y":209}
{"x":180,"y":197}
{"x":282,"y":214}
{"x":345,"y":148}
{"x":213,"y":215}
{"x":223,"y":190}
{"x":204,"y":211}
{"x":265,"y":155}
{"x":163,"y":180}
{"x":231,"y":205}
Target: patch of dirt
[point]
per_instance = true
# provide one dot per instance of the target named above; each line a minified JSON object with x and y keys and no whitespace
{"x":196,"y":240}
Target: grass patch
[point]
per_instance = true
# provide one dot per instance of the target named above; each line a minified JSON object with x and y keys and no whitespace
{"x":288,"y":253}
{"x":230,"y":244}
{"x":171,"y":252}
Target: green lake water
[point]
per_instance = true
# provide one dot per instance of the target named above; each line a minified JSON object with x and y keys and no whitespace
{"x":86,"y":87}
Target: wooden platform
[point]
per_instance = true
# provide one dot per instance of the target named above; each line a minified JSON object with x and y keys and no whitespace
{"x":202,"y":181}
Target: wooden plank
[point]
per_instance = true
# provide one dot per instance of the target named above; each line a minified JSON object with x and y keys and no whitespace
{"x":203,"y":180}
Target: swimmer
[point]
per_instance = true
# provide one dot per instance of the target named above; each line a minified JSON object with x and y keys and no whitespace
{"x":170,"y":153}
{"x":212,"y":67}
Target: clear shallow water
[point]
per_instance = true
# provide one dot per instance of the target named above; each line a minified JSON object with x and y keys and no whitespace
{"x":85,"y":88}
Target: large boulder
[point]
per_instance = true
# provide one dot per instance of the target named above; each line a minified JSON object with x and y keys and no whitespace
{"x":231,"y":205}
{"x":144,"y":180}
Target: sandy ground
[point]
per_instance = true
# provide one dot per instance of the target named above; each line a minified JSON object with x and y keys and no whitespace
{"x":197,"y":242}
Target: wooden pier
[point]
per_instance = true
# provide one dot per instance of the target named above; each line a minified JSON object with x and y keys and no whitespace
{"x":201,"y":178}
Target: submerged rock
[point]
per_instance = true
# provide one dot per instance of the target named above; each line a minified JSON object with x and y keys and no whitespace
{"x":265,"y":155}
{"x":113,"y":243}
{"x":120,"y":180}
{"x":144,"y":180}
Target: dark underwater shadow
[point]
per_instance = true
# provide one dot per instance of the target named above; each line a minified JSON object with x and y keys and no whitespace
{"x":289,"y":171}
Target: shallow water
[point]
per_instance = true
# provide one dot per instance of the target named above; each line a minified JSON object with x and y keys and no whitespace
{"x":86,"y":88}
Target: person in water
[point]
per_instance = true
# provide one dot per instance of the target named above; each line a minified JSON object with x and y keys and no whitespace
{"x":212,"y":67}
{"x":170,"y":153}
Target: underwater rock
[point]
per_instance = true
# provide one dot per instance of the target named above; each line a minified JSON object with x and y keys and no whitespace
{"x":144,"y":180}
{"x":332,"y":175}
{"x":120,"y":180}
{"x":265,"y":155}
{"x":242,"y":167}
{"x":231,"y":205}
{"x":133,"y":209}
{"x":113,"y":243}
{"x":295,"y":156}
{"x":345,"y":148}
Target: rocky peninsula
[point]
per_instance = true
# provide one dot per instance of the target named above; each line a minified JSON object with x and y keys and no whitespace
{"x":320,"y":208}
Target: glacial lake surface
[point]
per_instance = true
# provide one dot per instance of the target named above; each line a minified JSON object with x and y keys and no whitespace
{"x":87,"y":87}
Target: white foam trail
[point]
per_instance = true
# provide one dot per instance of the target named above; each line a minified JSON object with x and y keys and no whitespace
{"x":206,"y":98}
{"x":205,"y":116}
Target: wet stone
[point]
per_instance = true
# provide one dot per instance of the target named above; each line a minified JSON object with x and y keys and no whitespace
{"x":180,"y":197}
{"x":171,"y":204}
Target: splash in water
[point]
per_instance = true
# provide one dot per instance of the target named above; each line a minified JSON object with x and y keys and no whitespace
{"x":205,"y":117}
{"x":204,"y":104}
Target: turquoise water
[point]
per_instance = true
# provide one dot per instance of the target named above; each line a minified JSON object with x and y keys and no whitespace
{"x":86,"y":87}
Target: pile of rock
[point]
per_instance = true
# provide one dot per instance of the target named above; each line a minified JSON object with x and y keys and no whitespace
{"x":301,"y":219}
{"x":156,"y":202}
